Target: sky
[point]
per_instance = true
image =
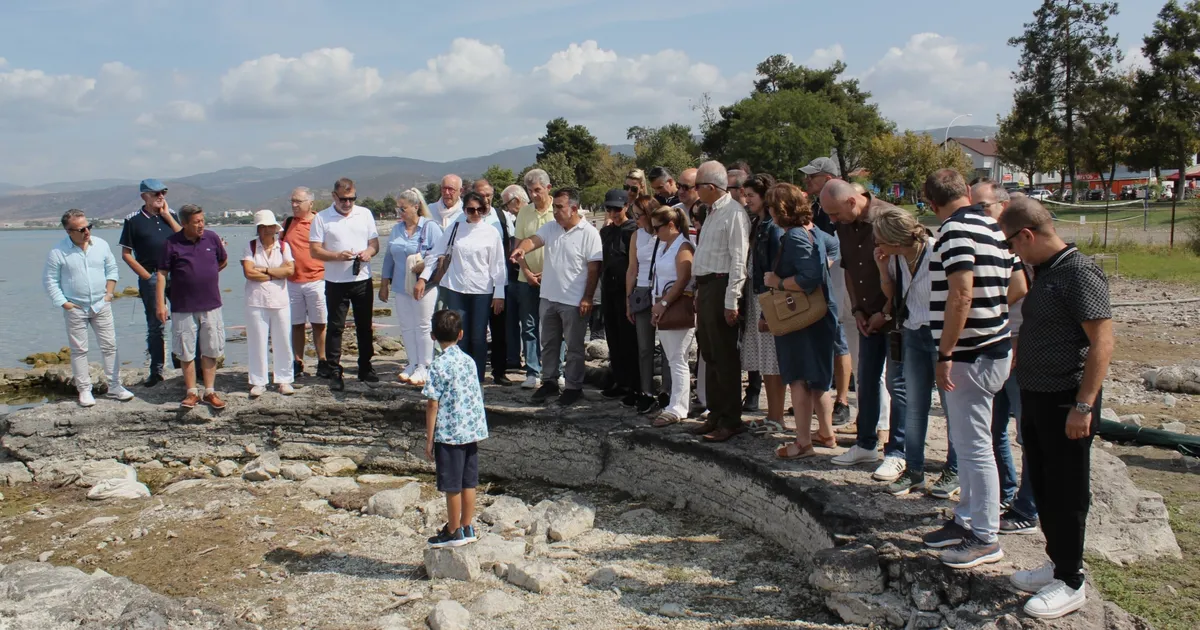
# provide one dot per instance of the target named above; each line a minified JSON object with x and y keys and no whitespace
{"x":165,"y":88}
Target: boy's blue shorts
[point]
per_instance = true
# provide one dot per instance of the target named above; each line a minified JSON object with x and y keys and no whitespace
{"x":457,"y":466}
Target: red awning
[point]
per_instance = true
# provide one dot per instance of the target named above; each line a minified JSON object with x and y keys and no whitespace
{"x":1192,"y":173}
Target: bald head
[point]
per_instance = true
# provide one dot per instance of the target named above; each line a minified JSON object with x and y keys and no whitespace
{"x":451,"y":190}
{"x":687,"y":187}
{"x":841,"y":201}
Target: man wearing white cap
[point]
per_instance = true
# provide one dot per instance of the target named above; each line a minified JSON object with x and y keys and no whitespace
{"x":267,"y":262}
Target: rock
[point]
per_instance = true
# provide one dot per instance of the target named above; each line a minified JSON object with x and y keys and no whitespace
{"x":539,"y":577}
{"x":327,"y":486}
{"x":1174,"y":427}
{"x":849,"y":569}
{"x":505,"y":509}
{"x":604,"y":576}
{"x":45,"y":556}
{"x":455,"y":563}
{"x":863,"y":609}
{"x":186,"y":484}
{"x":92,"y":473}
{"x":101,"y":521}
{"x":352,"y":501}
{"x":1180,"y":379}
{"x":920,"y":620}
{"x":295,"y":472}
{"x":1110,"y":414}
{"x":225,"y":468}
{"x":393,"y":621}
{"x":13,"y":473}
{"x":448,"y":615}
{"x":137,"y":455}
{"x":316,"y":506}
{"x":433,"y":512}
{"x":1125,"y":523}
{"x":492,"y":550}
{"x":335,"y":466}
{"x":264,"y":468}
{"x":925,"y":599}
{"x":672,"y":610}
{"x":494,"y":603}
{"x":1169,"y":400}
{"x":1135,"y":419}
{"x":680,"y":503}
{"x":372,"y":478}
{"x":118,"y":489}
{"x":392,"y":503}
{"x":597,"y":349}
{"x":569,"y":518}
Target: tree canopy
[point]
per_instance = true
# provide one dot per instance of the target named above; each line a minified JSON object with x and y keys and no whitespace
{"x":909,"y":158}
{"x":575,"y":144}
{"x":672,"y":146}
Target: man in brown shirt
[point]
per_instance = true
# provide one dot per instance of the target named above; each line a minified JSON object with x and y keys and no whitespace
{"x":852,"y":213}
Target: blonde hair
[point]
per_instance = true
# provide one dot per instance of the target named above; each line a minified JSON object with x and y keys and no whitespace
{"x":670,"y":214}
{"x":896,"y":227}
{"x":416,"y":198}
{"x":639,"y":175}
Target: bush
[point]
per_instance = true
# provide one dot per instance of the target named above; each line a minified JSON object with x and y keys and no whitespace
{"x":1191,"y":230}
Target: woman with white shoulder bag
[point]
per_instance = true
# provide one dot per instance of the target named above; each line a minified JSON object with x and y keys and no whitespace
{"x":413,"y":236}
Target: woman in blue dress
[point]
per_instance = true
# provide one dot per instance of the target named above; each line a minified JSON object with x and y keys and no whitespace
{"x":805,"y":356}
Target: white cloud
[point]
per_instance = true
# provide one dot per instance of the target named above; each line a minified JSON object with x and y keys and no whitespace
{"x":324,"y":80}
{"x":31,"y":97}
{"x":824,"y":57}
{"x":184,"y":111}
{"x":470,"y":65}
{"x":1134,"y":59}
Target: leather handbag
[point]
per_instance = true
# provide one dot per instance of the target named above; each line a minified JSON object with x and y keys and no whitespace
{"x":788,"y":311}
{"x":443,"y":261}
{"x":681,"y":314}
{"x":642,"y":298}
{"x":414,"y":265}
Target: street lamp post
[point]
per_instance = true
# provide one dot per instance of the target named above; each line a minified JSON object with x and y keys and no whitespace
{"x":952,"y":120}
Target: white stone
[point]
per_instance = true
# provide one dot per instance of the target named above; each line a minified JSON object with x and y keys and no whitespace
{"x":45,"y":556}
{"x":673,"y":610}
{"x":92,"y":473}
{"x":326,"y":487}
{"x":569,"y":518}
{"x":392,"y":503}
{"x":13,"y":473}
{"x":1174,"y":427}
{"x":494,"y":603}
{"x":1110,"y":414}
{"x":118,"y":489}
{"x":539,"y":577}
{"x":505,"y":509}
{"x":1169,"y":400}
{"x":449,"y":615}
{"x":186,"y":484}
{"x":604,"y":576}
{"x":263,"y":468}
{"x":455,"y":563}
{"x":101,"y":521}
{"x":335,"y":466}
{"x":317,"y":506}
{"x":372,"y":478}
{"x":1135,"y":419}
{"x":492,"y":550}
{"x":295,"y":472}
{"x":225,"y":468}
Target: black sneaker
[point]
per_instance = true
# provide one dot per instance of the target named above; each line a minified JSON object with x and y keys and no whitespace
{"x":907,"y":482}
{"x":1012,"y":522}
{"x":972,"y":552}
{"x":946,"y":485}
{"x":368,"y":375}
{"x":297,"y":368}
{"x":664,"y":400}
{"x":443,"y":532}
{"x":646,"y":404}
{"x":469,"y":534}
{"x":841,"y":413}
{"x":750,"y":402}
{"x":449,"y":539}
{"x":615,"y":391}
{"x":948,"y":535}
{"x":152,"y":380}
{"x":502,"y":380}
{"x":338,"y":383}
{"x":570,"y":397}
{"x":543,"y":393}
{"x":631,"y":399}
{"x":324,"y":370}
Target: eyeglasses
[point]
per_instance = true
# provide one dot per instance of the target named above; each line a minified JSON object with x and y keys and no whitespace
{"x":296,"y":202}
{"x":160,"y":193}
{"x":1008,"y":241}
{"x":86,"y":228}
{"x":473,"y":210}
{"x":735,"y":187}
{"x":684,"y":187}
{"x":629,"y":188}
{"x":715,"y":187}
{"x":347,"y":199}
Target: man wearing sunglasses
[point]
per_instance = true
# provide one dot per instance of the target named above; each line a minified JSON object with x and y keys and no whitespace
{"x":143,"y":237}
{"x":665,"y":188}
{"x":80,"y":277}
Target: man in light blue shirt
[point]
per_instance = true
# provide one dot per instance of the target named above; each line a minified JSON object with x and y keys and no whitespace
{"x":80,"y":277}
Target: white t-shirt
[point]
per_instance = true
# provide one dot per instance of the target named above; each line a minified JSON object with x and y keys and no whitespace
{"x":337,"y":233}
{"x":565,"y":270}
{"x":271,"y":293}
{"x":477,"y":263}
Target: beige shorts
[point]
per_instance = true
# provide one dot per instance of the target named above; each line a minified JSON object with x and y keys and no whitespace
{"x":307,"y":300}
{"x":204,"y":328}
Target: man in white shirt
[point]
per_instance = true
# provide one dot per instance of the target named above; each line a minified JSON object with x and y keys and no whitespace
{"x":720,"y":272}
{"x":572,"y":268}
{"x":345,"y":237}
{"x":448,"y":209}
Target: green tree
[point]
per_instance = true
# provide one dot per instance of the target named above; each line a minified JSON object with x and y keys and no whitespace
{"x":908,"y":159}
{"x":672,"y":146}
{"x":1173,"y":52}
{"x":500,"y":178}
{"x":1104,"y":137}
{"x":433,"y":192}
{"x":1027,"y":145}
{"x":1065,"y":52}
{"x":387,"y":207}
{"x":781,"y":131}
{"x":575,"y":143}
{"x":610,"y":172}
{"x":557,"y":167}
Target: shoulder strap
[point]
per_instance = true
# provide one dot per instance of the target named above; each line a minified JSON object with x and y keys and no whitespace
{"x":253,"y":247}
{"x":453,"y":235}
{"x":287,"y":223}
{"x":653,"y":259}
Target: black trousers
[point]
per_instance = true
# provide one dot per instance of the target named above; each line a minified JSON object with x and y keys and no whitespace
{"x":718,"y":343}
{"x":499,"y":326}
{"x":339,"y":296}
{"x":621,"y":335}
{"x":1060,"y":472}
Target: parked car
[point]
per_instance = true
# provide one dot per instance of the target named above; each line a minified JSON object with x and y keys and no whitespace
{"x":1041,"y":194}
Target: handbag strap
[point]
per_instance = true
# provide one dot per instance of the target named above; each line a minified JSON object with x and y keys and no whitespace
{"x":775,"y":267}
{"x":653,"y":260}
{"x":901,"y":296}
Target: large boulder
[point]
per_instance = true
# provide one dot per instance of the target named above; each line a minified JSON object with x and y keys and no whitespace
{"x":295,"y":471}
{"x":455,"y":563}
{"x":493,"y":550}
{"x":1125,"y":523}
{"x":539,"y":577}
{"x":13,"y":473}
{"x":850,"y":569}
{"x":392,"y":503}
{"x":335,"y":466}
{"x":92,"y":473}
{"x":1180,"y":379}
{"x":504,"y":509}
{"x":264,"y":468}
{"x":569,"y":518}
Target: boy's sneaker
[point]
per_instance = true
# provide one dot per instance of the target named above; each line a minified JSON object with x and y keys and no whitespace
{"x":449,"y":539}
{"x":469,"y":534}
{"x":906,"y":483}
{"x":972,"y":552}
{"x":1012,"y":522}
{"x":1056,"y":600}
{"x":443,"y":532}
{"x":946,"y":485}
{"x":1033,"y":580}
{"x":543,"y":393}
{"x":86,"y":399}
{"x":119,"y":393}
{"x":948,"y":535}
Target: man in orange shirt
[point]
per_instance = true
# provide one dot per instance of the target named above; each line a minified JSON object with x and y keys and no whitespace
{"x":306,"y":287}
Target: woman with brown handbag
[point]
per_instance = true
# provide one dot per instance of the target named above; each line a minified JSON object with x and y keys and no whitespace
{"x":673,"y":313}
{"x":805,"y":355}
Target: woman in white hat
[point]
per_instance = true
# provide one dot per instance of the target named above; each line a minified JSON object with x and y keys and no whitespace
{"x":267,"y":262}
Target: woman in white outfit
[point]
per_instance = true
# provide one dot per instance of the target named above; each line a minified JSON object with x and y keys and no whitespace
{"x":415,"y":234}
{"x":267,"y":262}
{"x":672,"y":282}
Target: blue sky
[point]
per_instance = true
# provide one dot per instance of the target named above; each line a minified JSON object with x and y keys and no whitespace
{"x":136,"y":88}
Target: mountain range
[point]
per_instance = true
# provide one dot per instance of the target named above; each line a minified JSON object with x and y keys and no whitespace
{"x":252,"y":188}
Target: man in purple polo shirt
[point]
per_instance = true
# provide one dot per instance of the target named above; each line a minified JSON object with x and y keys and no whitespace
{"x":193,"y":259}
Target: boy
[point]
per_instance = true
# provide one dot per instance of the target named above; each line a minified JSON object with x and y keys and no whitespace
{"x":454,"y":424}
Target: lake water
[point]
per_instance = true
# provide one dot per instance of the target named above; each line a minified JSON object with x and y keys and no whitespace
{"x":29,"y":323}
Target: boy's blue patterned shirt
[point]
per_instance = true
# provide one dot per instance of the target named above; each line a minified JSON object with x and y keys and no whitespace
{"x":454,"y":383}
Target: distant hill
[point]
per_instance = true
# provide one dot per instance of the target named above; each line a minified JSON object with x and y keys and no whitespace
{"x":231,"y":177}
{"x":65,"y":187}
{"x":113,"y":202}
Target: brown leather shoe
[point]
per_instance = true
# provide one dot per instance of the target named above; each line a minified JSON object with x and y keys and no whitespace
{"x":708,"y":427}
{"x":829,"y":442}
{"x":214,"y":401}
{"x":189,"y":401}
{"x":722,"y":434}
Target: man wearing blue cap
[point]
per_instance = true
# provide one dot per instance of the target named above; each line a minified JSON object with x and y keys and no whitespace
{"x":142,"y":240}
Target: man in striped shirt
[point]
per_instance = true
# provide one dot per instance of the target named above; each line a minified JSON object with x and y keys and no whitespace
{"x":972,"y":284}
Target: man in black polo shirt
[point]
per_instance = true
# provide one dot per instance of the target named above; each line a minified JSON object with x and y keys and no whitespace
{"x":1060,"y":367}
{"x":142,"y":240}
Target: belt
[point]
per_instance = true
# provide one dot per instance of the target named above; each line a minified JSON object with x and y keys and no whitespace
{"x":711,"y":277}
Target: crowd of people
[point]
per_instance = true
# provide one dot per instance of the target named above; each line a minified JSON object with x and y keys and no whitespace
{"x":797,"y":287}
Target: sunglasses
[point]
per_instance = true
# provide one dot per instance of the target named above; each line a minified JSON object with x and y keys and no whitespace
{"x":161,"y":193}
{"x":86,"y":228}
{"x":659,"y":226}
{"x":629,"y":188}
{"x":1007,"y":243}
{"x":684,"y":187}
{"x":347,"y":199}
{"x":473,"y":210}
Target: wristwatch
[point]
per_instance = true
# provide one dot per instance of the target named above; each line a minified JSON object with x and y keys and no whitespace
{"x":664,"y":303}
{"x":1083,"y":408}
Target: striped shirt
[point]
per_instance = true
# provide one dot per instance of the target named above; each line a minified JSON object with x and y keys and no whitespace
{"x":969,"y":240}
{"x":725,"y":246}
{"x":914,"y":287}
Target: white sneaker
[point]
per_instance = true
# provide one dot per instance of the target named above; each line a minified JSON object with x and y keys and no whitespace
{"x":257,"y":390}
{"x":86,"y":399}
{"x":1055,"y":600}
{"x":891,"y":469}
{"x":856,"y":455}
{"x":1033,"y":580}
{"x":419,"y":376}
{"x":531,"y":382}
{"x":286,"y":389}
{"x":119,"y":393}
{"x":562,"y":383}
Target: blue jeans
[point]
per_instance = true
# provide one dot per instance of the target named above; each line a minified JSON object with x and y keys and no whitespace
{"x":155,"y":345}
{"x":872,"y":357}
{"x":512,"y":322}
{"x":920,"y":358}
{"x":529,"y":301}
{"x":1023,"y":502}
{"x":1002,"y":405}
{"x":475,"y":311}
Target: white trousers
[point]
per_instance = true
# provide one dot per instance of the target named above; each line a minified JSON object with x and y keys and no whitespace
{"x":675,"y":348}
{"x":838,"y":275}
{"x":416,"y":325}
{"x":77,"y":320}
{"x":275,"y":323}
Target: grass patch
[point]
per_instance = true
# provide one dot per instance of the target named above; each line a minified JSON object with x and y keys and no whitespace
{"x":1151,"y":262}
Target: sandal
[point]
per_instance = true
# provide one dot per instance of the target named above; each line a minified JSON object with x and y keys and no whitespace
{"x":664,"y":419}
{"x":763,"y":427}
{"x":791,"y":451}
{"x":829,"y":442}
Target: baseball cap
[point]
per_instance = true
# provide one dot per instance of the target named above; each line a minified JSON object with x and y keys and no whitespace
{"x":265,"y":217}
{"x":152,"y":185}
{"x":822,"y":165}
{"x":616,"y":198}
